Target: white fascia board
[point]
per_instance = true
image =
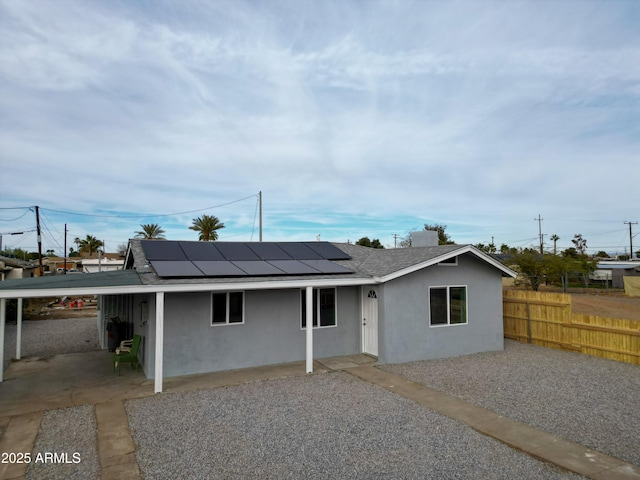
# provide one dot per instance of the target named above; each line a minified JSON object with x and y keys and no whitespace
{"x":268,"y":285}
{"x":191,"y":287}
{"x":447,"y":256}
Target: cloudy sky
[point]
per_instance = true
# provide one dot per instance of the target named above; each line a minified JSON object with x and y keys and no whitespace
{"x":354,"y":118}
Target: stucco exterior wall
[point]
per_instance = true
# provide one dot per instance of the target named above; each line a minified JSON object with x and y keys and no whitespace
{"x":405,"y":333}
{"x":270,"y":333}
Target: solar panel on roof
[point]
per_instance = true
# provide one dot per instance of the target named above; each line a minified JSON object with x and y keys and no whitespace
{"x":258,"y":267}
{"x":326,"y":266}
{"x":176,"y":268}
{"x":299,"y":251}
{"x":294,"y":267}
{"x":236,"y":251}
{"x":201,"y":251}
{"x":328,"y":250}
{"x":221,"y":268}
{"x":269,"y":251}
{"x":162,"y":250}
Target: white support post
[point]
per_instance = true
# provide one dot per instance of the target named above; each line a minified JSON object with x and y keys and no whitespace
{"x":309,"y":315}
{"x":3,"y":309}
{"x":159,"y":342}
{"x":19,"y":331}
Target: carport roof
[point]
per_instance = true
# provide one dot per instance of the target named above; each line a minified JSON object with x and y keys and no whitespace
{"x":113,"y":278}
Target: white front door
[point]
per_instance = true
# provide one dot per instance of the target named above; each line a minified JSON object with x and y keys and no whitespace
{"x":370,"y":320}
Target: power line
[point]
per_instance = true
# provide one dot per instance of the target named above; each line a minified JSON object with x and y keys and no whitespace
{"x":14,"y":219}
{"x":148,"y":214}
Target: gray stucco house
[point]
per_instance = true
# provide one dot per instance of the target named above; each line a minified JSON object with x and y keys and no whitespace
{"x":212,"y":306}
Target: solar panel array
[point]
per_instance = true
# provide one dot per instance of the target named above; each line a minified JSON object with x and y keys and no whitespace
{"x":172,"y":259}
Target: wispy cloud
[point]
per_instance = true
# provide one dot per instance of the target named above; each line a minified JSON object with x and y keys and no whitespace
{"x":467,"y":113}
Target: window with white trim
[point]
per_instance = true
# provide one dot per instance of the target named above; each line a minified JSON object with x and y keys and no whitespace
{"x":447,"y":305}
{"x":324,"y":308}
{"x":227,"y":308}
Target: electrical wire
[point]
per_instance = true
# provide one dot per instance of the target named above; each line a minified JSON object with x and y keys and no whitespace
{"x":17,"y":218}
{"x":152,"y":215}
{"x":255,"y":214}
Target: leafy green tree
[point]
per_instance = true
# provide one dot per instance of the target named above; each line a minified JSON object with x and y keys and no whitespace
{"x":580,"y":244}
{"x":443,"y":236}
{"x":505,"y":249}
{"x":558,"y":269}
{"x":366,"y":242}
{"x":482,"y":247}
{"x":586,"y":267}
{"x":207,"y":227}
{"x":20,"y":254}
{"x":532,"y":267}
{"x":88,"y":245}
{"x":602,"y":254}
{"x":150,"y":231}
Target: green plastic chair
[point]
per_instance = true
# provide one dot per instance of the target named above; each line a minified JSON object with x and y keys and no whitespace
{"x":127,"y":354}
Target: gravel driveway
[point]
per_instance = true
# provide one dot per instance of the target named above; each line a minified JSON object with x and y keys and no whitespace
{"x":324,"y":426}
{"x":46,"y":338}
{"x":336,"y":426}
{"x":588,"y":400}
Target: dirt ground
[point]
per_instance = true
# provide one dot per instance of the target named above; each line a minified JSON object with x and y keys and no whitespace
{"x":57,"y":314}
{"x":614,"y":306}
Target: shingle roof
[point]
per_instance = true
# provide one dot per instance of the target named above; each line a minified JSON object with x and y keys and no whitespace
{"x":113,"y":278}
{"x":365,"y":263}
{"x":15,"y":262}
{"x":381,"y":262}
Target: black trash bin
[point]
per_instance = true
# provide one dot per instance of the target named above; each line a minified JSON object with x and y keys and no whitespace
{"x":115,"y":333}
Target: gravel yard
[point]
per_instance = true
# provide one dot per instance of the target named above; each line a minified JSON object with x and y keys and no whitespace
{"x":336,"y":426}
{"x":46,"y":338}
{"x":320,"y":426}
{"x":71,"y":433}
{"x":588,"y":400}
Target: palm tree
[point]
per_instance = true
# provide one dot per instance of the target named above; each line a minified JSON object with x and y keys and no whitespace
{"x":207,"y":226}
{"x":150,"y":231}
{"x":555,"y":239}
{"x":89,"y":245}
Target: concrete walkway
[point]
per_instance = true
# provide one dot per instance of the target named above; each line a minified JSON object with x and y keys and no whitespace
{"x":33,"y":386}
{"x":544,"y":446}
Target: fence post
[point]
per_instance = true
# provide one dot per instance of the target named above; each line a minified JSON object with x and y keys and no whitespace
{"x":529,"y":322}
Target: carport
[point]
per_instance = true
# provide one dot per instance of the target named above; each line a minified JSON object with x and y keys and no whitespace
{"x":107,"y":283}
{"x":122,"y":283}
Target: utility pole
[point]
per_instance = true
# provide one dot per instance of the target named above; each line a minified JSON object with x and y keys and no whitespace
{"x":539,"y":220}
{"x":64,"y":254}
{"x":260,"y":202}
{"x":631,"y":239}
{"x":395,"y":240}
{"x":40,"y":269}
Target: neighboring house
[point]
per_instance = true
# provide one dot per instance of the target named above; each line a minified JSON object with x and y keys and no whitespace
{"x":106,"y":264}
{"x":85,"y":264}
{"x":211,"y":306}
{"x":617,"y":270}
{"x":54,"y":265}
{"x":11,"y":268}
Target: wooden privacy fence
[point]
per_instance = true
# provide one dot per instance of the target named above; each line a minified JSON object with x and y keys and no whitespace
{"x":546,"y":319}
